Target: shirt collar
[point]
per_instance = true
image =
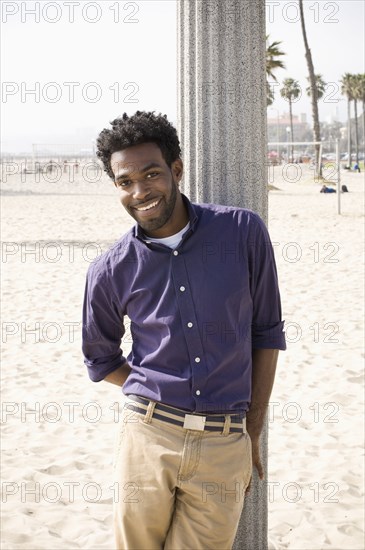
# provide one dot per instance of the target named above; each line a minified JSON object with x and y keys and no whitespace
{"x":193,"y":219}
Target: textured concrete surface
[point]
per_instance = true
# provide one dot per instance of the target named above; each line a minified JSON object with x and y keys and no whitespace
{"x":222,"y":127}
{"x":222,"y":101}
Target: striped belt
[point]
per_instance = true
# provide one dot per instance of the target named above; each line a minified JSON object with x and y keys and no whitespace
{"x":212,"y":423}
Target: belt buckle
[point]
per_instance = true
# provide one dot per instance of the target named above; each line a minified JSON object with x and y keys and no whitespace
{"x":194,"y":422}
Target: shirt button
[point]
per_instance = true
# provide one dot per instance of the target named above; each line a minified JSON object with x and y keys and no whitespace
{"x":190,"y":325}
{"x":175,"y":253}
{"x":197,"y":359}
{"x":197,"y":392}
{"x":182,"y":288}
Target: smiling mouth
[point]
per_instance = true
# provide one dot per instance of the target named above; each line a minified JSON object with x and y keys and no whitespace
{"x":148,"y":206}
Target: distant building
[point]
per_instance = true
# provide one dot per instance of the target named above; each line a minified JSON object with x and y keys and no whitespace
{"x":277,"y":127}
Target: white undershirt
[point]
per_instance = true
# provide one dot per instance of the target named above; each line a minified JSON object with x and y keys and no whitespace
{"x":171,"y":241}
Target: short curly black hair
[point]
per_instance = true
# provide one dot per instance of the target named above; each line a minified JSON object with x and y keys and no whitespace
{"x":142,"y":127}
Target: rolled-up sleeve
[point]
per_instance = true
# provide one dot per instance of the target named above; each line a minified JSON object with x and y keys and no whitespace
{"x":267,"y":324}
{"x":102,"y":326}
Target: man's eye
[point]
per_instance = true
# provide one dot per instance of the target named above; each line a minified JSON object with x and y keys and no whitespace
{"x":123,"y":183}
{"x":152,"y":174}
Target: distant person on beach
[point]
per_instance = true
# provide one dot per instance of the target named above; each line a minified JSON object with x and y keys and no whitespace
{"x":198,"y":283}
{"x":325,"y":189}
{"x":357,"y":167}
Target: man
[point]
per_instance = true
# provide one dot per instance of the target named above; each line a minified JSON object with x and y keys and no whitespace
{"x":199,"y":285}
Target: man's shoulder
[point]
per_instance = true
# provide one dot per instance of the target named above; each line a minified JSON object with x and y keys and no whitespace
{"x":122,"y":251}
{"x":234,"y":213}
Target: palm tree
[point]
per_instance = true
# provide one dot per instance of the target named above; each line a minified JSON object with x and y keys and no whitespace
{"x":290,"y":91}
{"x":362,"y":99}
{"x":269,"y":94}
{"x":320,"y":85}
{"x":347,"y":90}
{"x":356,"y":94}
{"x":273,"y":53}
{"x":314,"y":91}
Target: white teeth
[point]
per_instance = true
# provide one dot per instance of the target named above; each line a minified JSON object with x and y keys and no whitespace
{"x":143,"y":208}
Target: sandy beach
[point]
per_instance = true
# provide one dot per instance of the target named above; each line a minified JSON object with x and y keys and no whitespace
{"x":58,"y":427}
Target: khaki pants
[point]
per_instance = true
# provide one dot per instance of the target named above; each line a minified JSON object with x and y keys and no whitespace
{"x":178,"y":489}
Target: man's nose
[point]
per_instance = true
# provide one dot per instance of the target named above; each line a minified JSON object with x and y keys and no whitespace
{"x":141,"y":190}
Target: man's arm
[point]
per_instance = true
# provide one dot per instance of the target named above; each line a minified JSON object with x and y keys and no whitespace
{"x":263,"y":374}
{"x":102,"y":326}
{"x":119,"y":376}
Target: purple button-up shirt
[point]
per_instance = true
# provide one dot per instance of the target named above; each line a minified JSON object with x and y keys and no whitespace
{"x":196,"y":312}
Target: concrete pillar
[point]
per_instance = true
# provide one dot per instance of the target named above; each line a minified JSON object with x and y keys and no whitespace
{"x":222,"y":126}
{"x":222,"y":101}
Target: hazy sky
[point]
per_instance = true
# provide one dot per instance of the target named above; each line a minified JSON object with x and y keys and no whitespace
{"x":335,"y":33}
{"x":88,"y":62}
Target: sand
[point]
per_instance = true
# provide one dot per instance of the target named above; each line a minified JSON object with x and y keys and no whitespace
{"x":58,"y":427}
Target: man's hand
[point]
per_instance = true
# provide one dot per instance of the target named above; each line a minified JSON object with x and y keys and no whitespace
{"x":263,"y":374}
{"x":256,"y":460}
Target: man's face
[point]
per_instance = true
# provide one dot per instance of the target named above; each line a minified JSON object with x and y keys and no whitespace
{"x":149,"y":189}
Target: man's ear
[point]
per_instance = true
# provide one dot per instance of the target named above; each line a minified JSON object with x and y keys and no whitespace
{"x":177,"y":169}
